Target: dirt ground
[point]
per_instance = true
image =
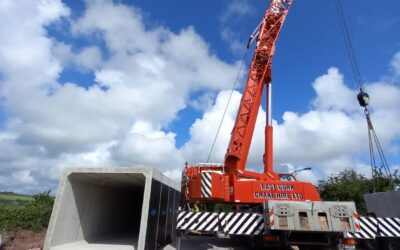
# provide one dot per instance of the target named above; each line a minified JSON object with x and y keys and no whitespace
{"x":23,"y":240}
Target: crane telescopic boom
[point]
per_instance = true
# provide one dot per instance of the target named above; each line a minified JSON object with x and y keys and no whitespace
{"x":259,"y":75}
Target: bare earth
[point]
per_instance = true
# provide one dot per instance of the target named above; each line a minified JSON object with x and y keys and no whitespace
{"x":24,"y":240}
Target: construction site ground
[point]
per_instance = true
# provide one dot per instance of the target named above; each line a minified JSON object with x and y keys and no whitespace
{"x":211,"y":242}
{"x":23,"y":240}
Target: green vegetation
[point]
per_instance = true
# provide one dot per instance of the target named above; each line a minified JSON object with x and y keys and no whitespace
{"x":350,"y":186}
{"x":26,"y":213}
{"x":13,"y":199}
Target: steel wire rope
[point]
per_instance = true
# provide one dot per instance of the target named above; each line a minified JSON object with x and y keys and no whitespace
{"x":349,"y":46}
{"x":372,"y":136}
{"x":227,"y":105}
{"x":381,"y":154}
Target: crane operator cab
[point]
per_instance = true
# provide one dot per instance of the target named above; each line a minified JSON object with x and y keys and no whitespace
{"x":287,"y":177}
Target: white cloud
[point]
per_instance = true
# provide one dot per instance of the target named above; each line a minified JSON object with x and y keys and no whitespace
{"x":203,"y":130}
{"x":236,"y":8}
{"x":329,"y":86}
{"x":51,"y":10}
{"x":25,"y":54}
{"x":149,"y":147}
{"x":204,"y":102}
{"x":174,"y":174}
{"x":86,"y":59}
{"x":234,"y":12}
{"x":149,"y":74}
{"x":395,"y":64}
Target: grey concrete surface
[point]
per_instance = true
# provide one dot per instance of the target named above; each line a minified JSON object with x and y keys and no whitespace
{"x":206,"y":243}
{"x":84,"y":245}
{"x":216,"y":242}
{"x":108,"y":208}
{"x":385,"y":204}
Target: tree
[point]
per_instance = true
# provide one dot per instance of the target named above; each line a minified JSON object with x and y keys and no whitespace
{"x":350,"y":186}
{"x":382,"y":183}
{"x":345,"y":186}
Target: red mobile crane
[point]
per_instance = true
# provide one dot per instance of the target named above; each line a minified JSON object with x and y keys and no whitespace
{"x":275,"y":206}
{"x":230,"y":182}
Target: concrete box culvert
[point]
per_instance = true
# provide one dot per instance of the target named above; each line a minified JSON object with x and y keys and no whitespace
{"x":113,"y":208}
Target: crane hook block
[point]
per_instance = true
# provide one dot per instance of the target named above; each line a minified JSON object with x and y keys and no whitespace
{"x":363,"y":99}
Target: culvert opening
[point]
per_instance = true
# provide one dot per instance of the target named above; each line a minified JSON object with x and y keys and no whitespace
{"x":109,"y":206}
{"x":105,"y":210}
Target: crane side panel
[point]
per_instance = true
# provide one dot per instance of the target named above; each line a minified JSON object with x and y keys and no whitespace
{"x":253,"y":191}
{"x":195,"y":187}
{"x":218,"y":186}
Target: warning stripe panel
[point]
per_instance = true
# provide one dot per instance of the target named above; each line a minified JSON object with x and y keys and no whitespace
{"x":200,"y":221}
{"x":229,"y":223}
{"x":253,"y":224}
{"x":372,"y":227}
{"x":388,"y":227}
{"x":242,"y":223}
{"x":205,"y":184}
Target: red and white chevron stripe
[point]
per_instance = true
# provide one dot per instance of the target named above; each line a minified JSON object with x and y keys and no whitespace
{"x":357,"y":225}
{"x":271,"y":219}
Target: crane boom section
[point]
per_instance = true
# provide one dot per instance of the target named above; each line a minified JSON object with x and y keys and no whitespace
{"x":259,"y":74}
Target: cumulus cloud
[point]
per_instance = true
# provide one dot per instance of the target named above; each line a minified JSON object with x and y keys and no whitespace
{"x":330,"y":85}
{"x":203,"y":130}
{"x":148,"y":147}
{"x":86,"y":59}
{"x":142,"y":76}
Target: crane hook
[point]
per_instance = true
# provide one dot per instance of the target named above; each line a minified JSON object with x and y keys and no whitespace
{"x":363,"y":98}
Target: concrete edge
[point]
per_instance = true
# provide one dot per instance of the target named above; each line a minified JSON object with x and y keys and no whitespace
{"x":156,"y":174}
{"x":145,"y":212}
{"x":54,"y":212}
{"x":152,"y":172}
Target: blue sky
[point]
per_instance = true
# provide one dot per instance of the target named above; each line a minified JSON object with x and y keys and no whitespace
{"x":310,"y":42}
{"x":144,"y":83}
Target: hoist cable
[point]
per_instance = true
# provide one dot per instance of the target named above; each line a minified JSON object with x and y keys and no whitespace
{"x":227,"y":105}
{"x":363,"y":98}
{"x":349,"y":46}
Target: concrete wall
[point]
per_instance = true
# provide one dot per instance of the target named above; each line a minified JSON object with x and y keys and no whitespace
{"x":161,"y":223}
{"x":113,"y":208}
{"x":385,"y":204}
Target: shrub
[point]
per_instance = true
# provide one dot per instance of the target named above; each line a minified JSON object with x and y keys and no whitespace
{"x":33,"y":215}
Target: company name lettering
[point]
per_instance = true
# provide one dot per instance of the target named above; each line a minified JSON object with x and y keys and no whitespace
{"x":278,"y":196}
{"x":280,"y":187}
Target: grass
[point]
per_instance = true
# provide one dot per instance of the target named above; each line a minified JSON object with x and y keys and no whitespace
{"x":14,"y":197}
